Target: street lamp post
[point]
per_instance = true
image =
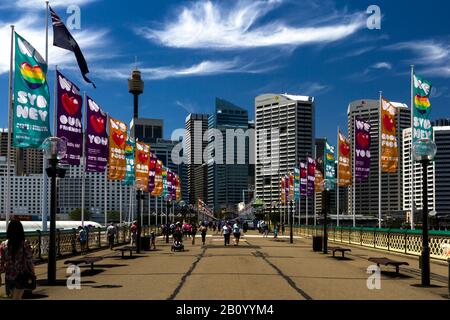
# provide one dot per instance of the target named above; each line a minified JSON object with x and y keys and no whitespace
{"x":55,"y":150}
{"x":139,"y":196}
{"x":424,"y":151}
{"x":167,"y":222}
{"x":325,"y":220}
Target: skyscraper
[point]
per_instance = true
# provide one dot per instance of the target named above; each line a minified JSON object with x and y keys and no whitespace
{"x":227,"y":180}
{"x":363,"y":197}
{"x":285,"y":134}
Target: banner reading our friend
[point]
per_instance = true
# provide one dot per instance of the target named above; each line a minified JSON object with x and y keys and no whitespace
{"x":117,"y":143}
{"x":311,"y":176}
{"x":389,"y":144}
{"x":69,"y":119}
{"x":142,"y":164}
{"x":31,"y":124}
{"x":422,"y":128}
{"x":97,"y":138}
{"x":362,"y":149}
{"x":345,"y":174}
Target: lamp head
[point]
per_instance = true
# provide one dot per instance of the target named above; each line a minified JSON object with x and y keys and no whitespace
{"x":54,"y":148}
{"x":424,"y":150}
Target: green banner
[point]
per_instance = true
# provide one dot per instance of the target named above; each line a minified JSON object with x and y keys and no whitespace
{"x":31,"y":124}
{"x":329,"y":166}
{"x":129,"y":158}
{"x":422,"y":128}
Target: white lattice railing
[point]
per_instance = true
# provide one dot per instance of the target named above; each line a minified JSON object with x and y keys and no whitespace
{"x":395,"y":240}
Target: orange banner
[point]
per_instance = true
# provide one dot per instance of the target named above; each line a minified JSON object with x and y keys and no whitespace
{"x":345,"y":174}
{"x":117,"y":165}
{"x":283,"y":190}
{"x":319,"y":185}
{"x":389,"y":143}
{"x":157,"y":191}
{"x":178,"y":188}
{"x":291,"y":185}
{"x":142,"y":165}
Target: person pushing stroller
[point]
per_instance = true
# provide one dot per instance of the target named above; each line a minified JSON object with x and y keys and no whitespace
{"x":177,"y":238}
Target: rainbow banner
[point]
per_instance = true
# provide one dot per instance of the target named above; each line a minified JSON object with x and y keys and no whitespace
{"x":345,"y":173}
{"x":31,"y":124}
{"x":142,"y":161}
{"x":129,"y":159}
{"x":422,"y":128}
{"x":117,"y":164}
{"x":296,"y":184}
{"x":164,"y":183}
{"x":389,"y":143}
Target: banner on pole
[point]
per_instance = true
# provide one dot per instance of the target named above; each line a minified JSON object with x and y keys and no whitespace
{"x":129,"y":159}
{"x":320,"y":182}
{"x":311,"y":176}
{"x":303,"y":180}
{"x":345,"y":174}
{"x":117,"y":142}
{"x":389,"y":143}
{"x":69,"y":119}
{"x":142,"y":163}
{"x":362,"y":149}
{"x":97,"y":138}
{"x":422,"y":128}
{"x":329,"y":167}
{"x":31,"y":122}
{"x":151,"y":173}
{"x":296,"y":184}
{"x":158,"y":189}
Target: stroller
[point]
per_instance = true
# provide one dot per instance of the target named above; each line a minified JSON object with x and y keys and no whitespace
{"x":177,"y":241}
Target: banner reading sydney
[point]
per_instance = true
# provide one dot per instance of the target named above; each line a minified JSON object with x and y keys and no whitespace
{"x":69,"y":119}
{"x":422,"y":127}
{"x":97,"y":138}
{"x":31,"y":124}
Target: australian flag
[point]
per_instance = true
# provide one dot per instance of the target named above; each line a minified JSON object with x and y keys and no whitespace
{"x":63,"y":39}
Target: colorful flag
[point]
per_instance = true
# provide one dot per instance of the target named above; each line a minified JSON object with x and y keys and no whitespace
{"x":389,"y":144}
{"x":291,"y":185}
{"x":178,"y":189}
{"x":311,"y":176}
{"x":165,"y":194}
{"x":296,"y":184}
{"x":319,"y":185}
{"x":97,"y":139}
{"x":422,"y":128}
{"x":345,"y":173}
{"x":31,"y":124}
{"x":117,"y":143}
{"x":283,"y":190}
{"x":362,"y":149}
{"x":69,"y":119}
{"x":329,"y":167}
{"x":157,"y":191}
{"x":63,"y":39}
{"x":142,"y":163}
{"x":152,"y":172}
{"x":129,"y":158}
{"x":303,"y":180}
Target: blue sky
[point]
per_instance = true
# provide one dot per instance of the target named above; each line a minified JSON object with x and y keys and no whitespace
{"x":192,"y":51}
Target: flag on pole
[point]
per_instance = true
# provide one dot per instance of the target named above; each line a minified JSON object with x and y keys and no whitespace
{"x":362,"y":149}
{"x":129,"y":158}
{"x":296,"y":184}
{"x":345,"y":174}
{"x":157,"y":191}
{"x":31,"y":122}
{"x":303,"y":180}
{"x":283,"y":190}
{"x":142,"y":163}
{"x":286,"y":187}
{"x":311,"y":176}
{"x":178,"y":189}
{"x":291,"y":185}
{"x":319,"y":185}
{"x":152,"y":172}
{"x":117,"y":141}
{"x":422,"y":128}
{"x":389,"y":143}
{"x":329,"y":167}
{"x":97,"y":138}
{"x":63,"y":39}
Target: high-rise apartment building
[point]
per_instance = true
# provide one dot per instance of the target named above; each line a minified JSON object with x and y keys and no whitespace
{"x":363,"y":197}
{"x":285,"y":135}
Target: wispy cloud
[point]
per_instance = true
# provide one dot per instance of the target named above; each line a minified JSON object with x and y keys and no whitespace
{"x":205,"y":24}
{"x":382,"y":65}
{"x":187,"y":106}
{"x":314,"y":89}
{"x":432,"y":55}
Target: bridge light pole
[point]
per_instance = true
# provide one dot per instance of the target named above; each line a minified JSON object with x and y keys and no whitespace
{"x":424,"y":152}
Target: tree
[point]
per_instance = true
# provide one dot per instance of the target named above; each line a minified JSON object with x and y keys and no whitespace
{"x":114,"y":216}
{"x":75,"y":215}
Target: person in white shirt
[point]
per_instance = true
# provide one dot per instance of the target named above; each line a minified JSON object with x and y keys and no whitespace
{"x":236,"y":232}
{"x":226,"y":230}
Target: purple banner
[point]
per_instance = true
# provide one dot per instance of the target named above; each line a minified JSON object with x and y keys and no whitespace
{"x":303,"y":180}
{"x":69,"y":119}
{"x":362,"y":149}
{"x":311,"y":176}
{"x":97,"y":139}
{"x":152,"y":173}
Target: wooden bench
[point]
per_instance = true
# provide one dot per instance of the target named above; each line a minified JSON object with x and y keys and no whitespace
{"x":85,"y":260}
{"x":128,"y":248}
{"x":339,"y":249}
{"x":389,"y":262}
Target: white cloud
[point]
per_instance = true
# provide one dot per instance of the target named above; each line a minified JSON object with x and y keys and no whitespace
{"x":313,"y":89}
{"x":30,"y":27}
{"x":40,"y":4}
{"x":205,"y":24}
{"x":382,"y":65}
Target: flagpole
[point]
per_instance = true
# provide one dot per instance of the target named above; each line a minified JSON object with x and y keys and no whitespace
{"x":44,"y":195}
{"x":315,"y":198}
{"x":354,"y":173}
{"x":411,"y":149}
{"x":379,"y":159}
{"x":120,"y":202}
{"x":83,"y":173}
{"x":149,"y":213}
{"x":105,"y":195}
{"x":337,"y":180}
{"x":156,"y":212}
{"x":10,"y":113}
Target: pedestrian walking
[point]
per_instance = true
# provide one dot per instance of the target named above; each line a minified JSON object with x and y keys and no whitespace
{"x":16,"y":262}
{"x":236,"y":232}
{"x":133,"y":230}
{"x":82,"y":238}
{"x":266,"y":230}
{"x":226,"y":230}
{"x":193,"y":232}
{"x":111,"y":233}
{"x":203,"y":230}
{"x":275,"y":232}
{"x":153,"y":240}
